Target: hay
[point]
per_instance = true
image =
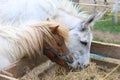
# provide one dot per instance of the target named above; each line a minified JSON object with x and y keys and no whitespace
{"x":33,"y":75}
{"x":93,"y":72}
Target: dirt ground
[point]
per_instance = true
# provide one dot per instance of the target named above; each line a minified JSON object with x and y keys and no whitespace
{"x":107,"y":36}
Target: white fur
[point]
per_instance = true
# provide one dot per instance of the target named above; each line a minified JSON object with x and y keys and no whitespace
{"x":19,"y":12}
{"x":4,"y":62}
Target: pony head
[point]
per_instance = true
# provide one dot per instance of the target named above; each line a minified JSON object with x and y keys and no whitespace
{"x":80,"y":42}
{"x":46,"y":38}
{"x":55,"y":49}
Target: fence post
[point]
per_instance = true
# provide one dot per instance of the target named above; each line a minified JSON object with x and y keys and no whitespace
{"x":115,"y":11}
{"x":105,"y":2}
{"x":95,"y":2}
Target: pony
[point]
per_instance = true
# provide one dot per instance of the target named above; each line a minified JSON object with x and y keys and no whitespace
{"x":79,"y":23}
{"x":46,"y":38}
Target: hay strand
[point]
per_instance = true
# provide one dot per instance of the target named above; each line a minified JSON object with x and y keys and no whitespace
{"x":7,"y":73}
{"x":111,"y":71}
{"x":7,"y":77}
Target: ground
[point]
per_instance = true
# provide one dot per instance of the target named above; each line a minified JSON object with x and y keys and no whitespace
{"x":105,"y":30}
{"x":106,"y":37}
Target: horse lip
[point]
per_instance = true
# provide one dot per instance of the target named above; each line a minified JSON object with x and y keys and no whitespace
{"x":68,"y":62}
{"x":69,"y":66}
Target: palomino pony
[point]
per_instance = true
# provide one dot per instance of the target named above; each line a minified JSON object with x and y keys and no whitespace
{"x":47,"y":37}
{"x":22,"y":12}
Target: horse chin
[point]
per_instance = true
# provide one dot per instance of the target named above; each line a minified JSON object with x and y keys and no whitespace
{"x":77,"y":65}
{"x":80,"y":61}
{"x":83,"y":64}
{"x":74,"y":65}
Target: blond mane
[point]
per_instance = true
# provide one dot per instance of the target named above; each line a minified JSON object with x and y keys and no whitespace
{"x":29,"y":39}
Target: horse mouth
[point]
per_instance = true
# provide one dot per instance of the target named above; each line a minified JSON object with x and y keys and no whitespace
{"x":67,"y":62}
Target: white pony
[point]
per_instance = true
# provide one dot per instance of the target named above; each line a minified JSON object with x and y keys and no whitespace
{"x":21,"y":12}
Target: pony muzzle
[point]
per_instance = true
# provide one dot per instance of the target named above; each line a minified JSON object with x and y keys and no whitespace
{"x":63,"y":59}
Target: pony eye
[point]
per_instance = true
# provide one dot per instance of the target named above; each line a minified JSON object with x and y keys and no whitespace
{"x":83,"y":29}
{"x":59,"y":43}
{"x":84,"y":43}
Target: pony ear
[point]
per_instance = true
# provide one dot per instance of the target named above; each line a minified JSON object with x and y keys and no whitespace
{"x":90,"y":20}
{"x":54,"y":29}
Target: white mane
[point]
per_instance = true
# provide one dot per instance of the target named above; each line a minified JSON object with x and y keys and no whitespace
{"x":30,"y":9}
{"x":68,"y":6}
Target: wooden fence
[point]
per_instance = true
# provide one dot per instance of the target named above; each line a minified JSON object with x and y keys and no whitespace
{"x":93,"y":6}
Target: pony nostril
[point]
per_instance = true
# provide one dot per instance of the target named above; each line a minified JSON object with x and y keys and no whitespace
{"x":85,"y":66}
{"x":69,"y":60}
{"x":84,"y":43}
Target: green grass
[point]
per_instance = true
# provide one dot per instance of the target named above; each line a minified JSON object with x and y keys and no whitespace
{"x":107,"y":25}
{"x":106,"y":41}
